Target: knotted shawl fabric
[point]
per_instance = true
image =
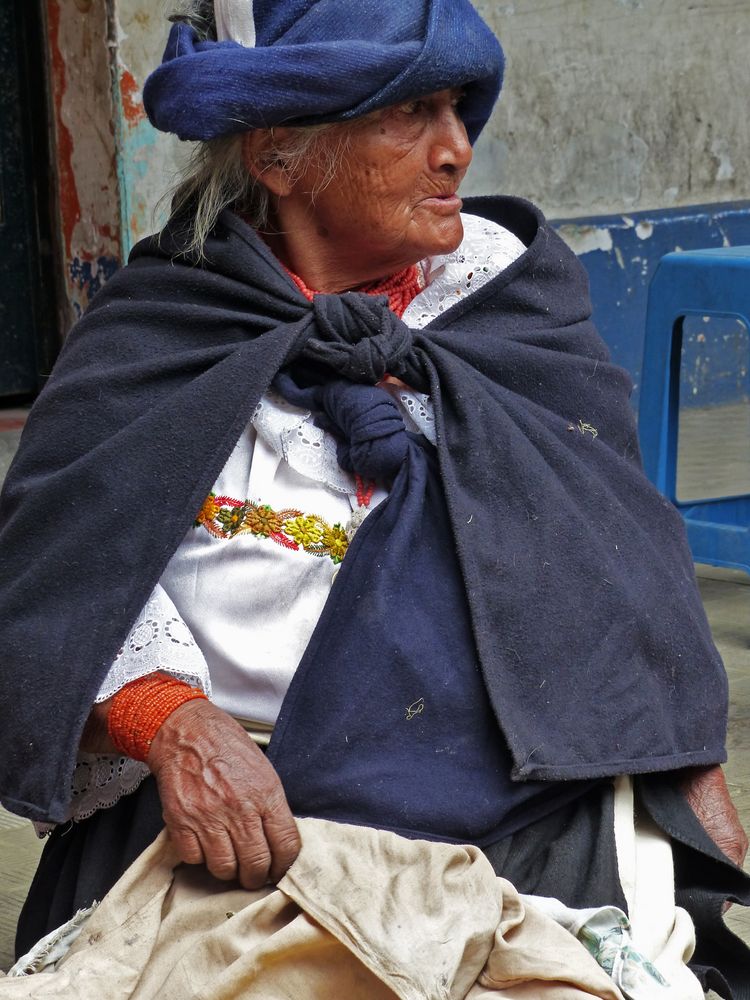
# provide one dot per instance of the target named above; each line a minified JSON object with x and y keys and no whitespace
{"x":318,"y":61}
{"x":585,"y":617}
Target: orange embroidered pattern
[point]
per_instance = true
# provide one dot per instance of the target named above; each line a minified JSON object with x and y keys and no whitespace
{"x":225,"y":517}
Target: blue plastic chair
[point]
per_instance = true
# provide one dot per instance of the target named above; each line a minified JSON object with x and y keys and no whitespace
{"x":697,"y":282}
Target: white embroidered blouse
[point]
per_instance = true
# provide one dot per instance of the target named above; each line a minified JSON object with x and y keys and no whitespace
{"x":240,"y":598}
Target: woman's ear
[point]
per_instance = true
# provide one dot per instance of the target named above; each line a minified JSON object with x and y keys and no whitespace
{"x":261,"y":159}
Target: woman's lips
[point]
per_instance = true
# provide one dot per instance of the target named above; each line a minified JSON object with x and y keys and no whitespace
{"x":447,"y":203}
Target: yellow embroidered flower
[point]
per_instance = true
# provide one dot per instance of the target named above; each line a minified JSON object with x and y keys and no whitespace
{"x":208,"y":511}
{"x":336,"y":542}
{"x":263,"y":521}
{"x":306,"y":531}
{"x":227,"y":518}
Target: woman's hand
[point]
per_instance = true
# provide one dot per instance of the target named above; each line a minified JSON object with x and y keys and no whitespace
{"x":222,"y":800}
{"x":705,"y":789}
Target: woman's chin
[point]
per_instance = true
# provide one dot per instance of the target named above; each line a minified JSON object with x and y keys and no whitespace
{"x":446,"y":237}
{"x":441,"y":236}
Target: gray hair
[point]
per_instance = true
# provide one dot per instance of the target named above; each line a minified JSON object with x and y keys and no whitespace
{"x":217,"y":177}
{"x":198,"y":13}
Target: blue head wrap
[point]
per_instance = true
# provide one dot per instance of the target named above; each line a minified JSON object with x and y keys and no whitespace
{"x":317,"y":61}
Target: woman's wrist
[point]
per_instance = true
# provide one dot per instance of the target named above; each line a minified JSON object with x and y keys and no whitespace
{"x":127,"y":722}
{"x":138,"y":711}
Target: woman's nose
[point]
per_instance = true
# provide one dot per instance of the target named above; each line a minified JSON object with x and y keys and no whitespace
{"x":451,"y":147}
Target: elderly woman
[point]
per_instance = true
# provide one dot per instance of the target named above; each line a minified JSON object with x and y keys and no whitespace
{"x":338,"y":466}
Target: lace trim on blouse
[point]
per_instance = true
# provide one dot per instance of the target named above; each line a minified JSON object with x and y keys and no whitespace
{"x":293,"y":436}
{"x":486,"y":250}
{"x":159,"y":640}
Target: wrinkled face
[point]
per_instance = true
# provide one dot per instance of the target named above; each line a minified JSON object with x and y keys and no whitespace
{"x":393,"y":201}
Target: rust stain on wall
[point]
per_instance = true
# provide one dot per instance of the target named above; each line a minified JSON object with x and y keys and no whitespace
{"x":132,"y":106}
{"x":70,"y":206}
{"x":88,"y":192}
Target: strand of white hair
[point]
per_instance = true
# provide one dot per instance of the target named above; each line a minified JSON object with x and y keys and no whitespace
{"x":216,"y":175}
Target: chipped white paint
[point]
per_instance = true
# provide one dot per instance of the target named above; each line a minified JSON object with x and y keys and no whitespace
{"x":644,"y":230}
{"x":724,"y":170}
{"x":586,"y":239}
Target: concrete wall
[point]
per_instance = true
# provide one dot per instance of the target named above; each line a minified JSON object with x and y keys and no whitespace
{"x":632,"y":114}
{"x":619,"y":105}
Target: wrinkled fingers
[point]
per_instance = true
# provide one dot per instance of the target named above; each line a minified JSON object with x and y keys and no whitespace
{"x":283,"y":836}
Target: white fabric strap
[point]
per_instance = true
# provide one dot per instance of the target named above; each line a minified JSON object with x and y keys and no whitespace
{"x":661,"y":931}
{"x":235,"y":22}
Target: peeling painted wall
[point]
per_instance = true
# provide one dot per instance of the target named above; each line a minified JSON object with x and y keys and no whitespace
{"x":620,"y":111}
{"x":83,"y":133}
{"x":609,"y":106}
{"x":147,"y":159}
{"x":621,"y":253}
{"x":619,"y":105}
{"x":112,"y":166}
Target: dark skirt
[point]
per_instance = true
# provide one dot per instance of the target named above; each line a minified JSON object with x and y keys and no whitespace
{"x":82,"y":861}
{"x":569,"y":854}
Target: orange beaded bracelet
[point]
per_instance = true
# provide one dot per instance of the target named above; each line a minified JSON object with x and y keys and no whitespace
{"x":139,"y":709}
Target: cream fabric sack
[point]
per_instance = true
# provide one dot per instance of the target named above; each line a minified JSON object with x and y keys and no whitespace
{"x":362,"y":915}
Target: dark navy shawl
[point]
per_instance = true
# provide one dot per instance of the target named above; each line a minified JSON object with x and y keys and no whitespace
{"x":588,"y":626}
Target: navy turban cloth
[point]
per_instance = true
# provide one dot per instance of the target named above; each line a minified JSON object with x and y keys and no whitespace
{"x":318,"y":61}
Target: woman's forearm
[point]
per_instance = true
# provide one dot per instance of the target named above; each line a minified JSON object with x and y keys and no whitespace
{"x":223,"y":802}
{"x":706,"y":791}
{"x":96,"y":738}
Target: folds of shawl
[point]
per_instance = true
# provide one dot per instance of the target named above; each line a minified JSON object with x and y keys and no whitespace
{"x":587,"y":621}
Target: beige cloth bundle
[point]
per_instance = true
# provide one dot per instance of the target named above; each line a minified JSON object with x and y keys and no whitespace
{"x":361,"y":915}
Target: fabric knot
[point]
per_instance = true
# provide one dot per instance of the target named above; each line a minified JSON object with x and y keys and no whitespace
{"x":373,"y":441}
{"x":372,"y":438}
{"x":358,"y":337}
